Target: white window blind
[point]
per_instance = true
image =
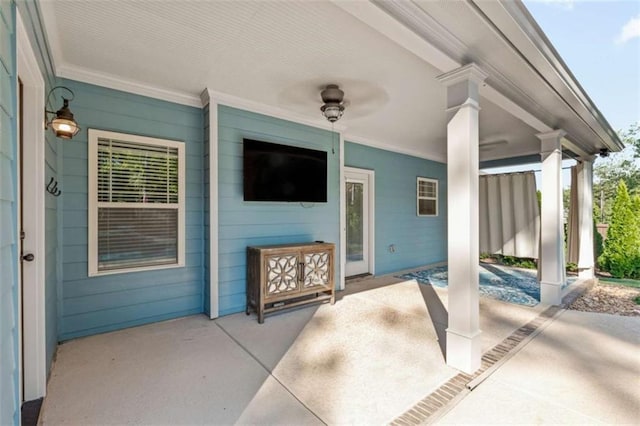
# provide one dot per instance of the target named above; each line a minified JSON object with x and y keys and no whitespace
{"x":136,"y":203}
{"x":427,"y":197}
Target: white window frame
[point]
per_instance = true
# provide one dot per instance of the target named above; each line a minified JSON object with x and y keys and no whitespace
{"x":418,"y":197}
{"x":94,"y":136}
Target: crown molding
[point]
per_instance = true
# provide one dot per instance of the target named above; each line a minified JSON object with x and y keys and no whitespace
{"x":392,"y":148}
{"x":205,"y":98}
{"x":130,"y":86}
{"x":209,"y":95}
{"x":468,"y":72}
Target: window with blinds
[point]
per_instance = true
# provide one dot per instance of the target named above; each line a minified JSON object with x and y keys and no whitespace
{"x":136,"y":203}
{"x":427,"y":197}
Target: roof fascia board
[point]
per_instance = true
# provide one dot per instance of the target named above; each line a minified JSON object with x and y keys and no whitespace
{"x":517,"y":24}
{"x":410,"y":15}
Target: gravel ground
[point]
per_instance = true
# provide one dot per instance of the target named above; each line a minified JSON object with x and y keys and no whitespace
{"x":610,"y":299}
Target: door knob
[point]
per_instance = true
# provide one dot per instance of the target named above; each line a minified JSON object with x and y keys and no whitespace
{"x":28,"y":257}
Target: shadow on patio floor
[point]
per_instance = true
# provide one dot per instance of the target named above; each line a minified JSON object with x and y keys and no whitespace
{"x":365,"y":359}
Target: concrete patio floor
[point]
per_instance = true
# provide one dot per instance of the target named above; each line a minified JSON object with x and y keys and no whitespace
{"x":365,"y":360}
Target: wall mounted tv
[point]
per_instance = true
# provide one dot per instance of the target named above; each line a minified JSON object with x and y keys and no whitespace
{"x":274,"y":172}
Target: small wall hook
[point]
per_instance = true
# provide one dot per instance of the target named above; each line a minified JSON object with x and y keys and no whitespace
{"x":52,"y":188}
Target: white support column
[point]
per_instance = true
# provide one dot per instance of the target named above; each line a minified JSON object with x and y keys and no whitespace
{"x":585,"y":201}
{"x":464,"y":350}
{"x":552,"y":262}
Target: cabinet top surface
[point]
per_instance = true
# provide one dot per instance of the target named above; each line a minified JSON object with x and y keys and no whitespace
{"x":296,"y":245}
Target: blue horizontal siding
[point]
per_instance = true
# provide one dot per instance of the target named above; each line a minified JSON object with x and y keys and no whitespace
{"x":9,"y":324}
{"x":243,"y":224}
{"x":92,"y":305}
{"x":417,"y":240}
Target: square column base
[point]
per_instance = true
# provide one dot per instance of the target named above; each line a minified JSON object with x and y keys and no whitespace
{"x":464,"y":352}
{"x":586,"y":273}
{"x":550,"y":293}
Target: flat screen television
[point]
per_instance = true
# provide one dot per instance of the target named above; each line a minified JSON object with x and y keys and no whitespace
{"x":274,"y":172}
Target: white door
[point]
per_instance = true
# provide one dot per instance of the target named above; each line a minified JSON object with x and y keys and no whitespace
{"x":359,"y":221}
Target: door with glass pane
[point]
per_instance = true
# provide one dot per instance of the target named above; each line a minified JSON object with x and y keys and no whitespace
{"x":358,"y":214}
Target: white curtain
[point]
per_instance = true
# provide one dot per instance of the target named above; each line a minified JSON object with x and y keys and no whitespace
{"x":573,"y":233}
{"x":509,"y":215}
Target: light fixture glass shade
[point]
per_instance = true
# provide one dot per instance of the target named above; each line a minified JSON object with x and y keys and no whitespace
{"x":333,"y":112}
{"x":64,"y":128}
{"x":64,"y":125}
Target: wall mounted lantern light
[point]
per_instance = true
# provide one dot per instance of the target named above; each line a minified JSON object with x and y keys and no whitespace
{"x":63,"y":124}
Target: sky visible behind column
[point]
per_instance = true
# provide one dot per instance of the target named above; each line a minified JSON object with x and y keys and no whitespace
{"x":600,"y":43}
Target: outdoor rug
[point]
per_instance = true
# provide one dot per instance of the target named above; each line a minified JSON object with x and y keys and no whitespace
{"x":499,"y":282}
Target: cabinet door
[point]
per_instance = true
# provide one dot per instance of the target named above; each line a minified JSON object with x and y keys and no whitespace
{"x":281,"y":274}
{"x":317,"y":268}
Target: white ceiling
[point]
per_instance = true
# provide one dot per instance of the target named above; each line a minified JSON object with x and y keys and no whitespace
{"x":278,"y":54}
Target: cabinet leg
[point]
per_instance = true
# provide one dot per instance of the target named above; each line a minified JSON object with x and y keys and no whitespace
{"x":261,"y":314}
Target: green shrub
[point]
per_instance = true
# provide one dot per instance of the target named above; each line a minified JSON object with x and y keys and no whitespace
{"x":635,"y":206}
{"x":621,"y":256}
{"x":572,"y":267}
{"x":598,"y":244}
{"x":518,"y":262}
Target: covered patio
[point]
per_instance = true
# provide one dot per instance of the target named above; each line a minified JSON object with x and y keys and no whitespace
{"x":375,"y":358}
{"x":365,"y":360}
{"x":434,"y":91}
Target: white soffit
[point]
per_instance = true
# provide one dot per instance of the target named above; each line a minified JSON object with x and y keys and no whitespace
{"x":274,"y":58}
{"x":495,"y":42}
{"x":268,"y":53}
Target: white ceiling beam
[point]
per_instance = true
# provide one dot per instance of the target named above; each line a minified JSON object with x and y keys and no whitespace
{"x":574,"y":148}
{"x":385,"y":24}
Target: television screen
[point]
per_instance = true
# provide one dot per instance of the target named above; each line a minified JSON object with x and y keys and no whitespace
{"x":274,"y":172}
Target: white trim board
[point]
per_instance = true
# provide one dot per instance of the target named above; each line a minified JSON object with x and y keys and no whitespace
{"x":184,"y":98}
{"x":33,"y":334}
{"x":214,"y":302}
{"x":129,"y":86}
{"x":94,"y":135}
{"x":342,"y":221}
{"x":392,"y":148}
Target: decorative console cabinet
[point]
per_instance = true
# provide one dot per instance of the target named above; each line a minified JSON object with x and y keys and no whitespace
{"x":284,"y":276}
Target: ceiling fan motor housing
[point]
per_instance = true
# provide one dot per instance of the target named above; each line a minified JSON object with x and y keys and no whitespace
{"x":332,"y":97}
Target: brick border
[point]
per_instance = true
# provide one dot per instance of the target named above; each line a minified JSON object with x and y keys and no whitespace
{"x":439,"y":401}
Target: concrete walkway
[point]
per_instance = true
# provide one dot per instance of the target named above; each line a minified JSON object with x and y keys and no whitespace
{"x":365,"y":360}
{"x":584,"y":368}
